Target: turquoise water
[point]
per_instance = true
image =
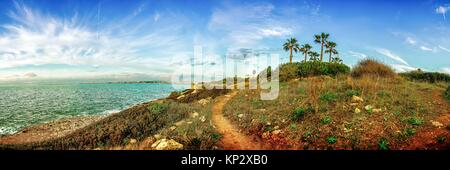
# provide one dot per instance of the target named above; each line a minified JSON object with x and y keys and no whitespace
{"x":23,"y":105}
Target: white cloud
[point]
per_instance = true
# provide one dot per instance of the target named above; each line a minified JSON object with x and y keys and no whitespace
{"x":424,"y":48}
{"x":443,"y":9}
{"x":391,"y":55}
{"x":445,"y":70}
{"x":410,"y":40}
{"x":245,"y":25}
{"x":402,"y":68}
{"x":37,"y":39}
{"x":443,"y":48}
{"x":358,"y":54}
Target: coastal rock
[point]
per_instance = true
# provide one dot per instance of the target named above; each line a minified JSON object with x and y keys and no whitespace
{"x":172,"y":128}
{"x":202,"y":118}
{"x":203,"y":102}
{"x":180,"y":97}
{"x":357,"y":99}
{"x":179,"y":123}
{"x":357,"y":110}
{"x":164,"y":144}
{"x":368,"y":107}
{"x":194,"y":115}
{"x":436,"y":124}
{"x":157,"y":136}
{"x":276,"y":132}
{"x":265,"y":135}
{"x":376,"y":110}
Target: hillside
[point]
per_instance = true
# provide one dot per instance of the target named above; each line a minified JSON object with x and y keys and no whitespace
{"x":321,"y":109}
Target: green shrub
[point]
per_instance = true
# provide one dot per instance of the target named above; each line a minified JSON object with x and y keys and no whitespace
{"x":326,"y":120}
{"x":328,"y":97}
{"x":441,"y":139}
{"x":410,"y":132}
{"x":331,"y":139}
{"x":383,"y":144}
{"x":372,"y":67}
{"x":415,"y":121}
{"x":447,"y":94}
{"x":216,"y":136}
{"x":306,"y":69}
{"x":431,"y":77}
{"x":157,"y":108}
{"x":298,"y":113}
{"x":288,"y":72}
{"x":350,"y":93}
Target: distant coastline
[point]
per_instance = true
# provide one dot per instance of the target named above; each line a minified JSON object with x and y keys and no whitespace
{"x":130,"y":82}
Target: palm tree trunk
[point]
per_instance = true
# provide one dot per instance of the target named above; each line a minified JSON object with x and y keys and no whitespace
{"x":305,"y":56}
{"x":290,"y":57}
{"x":330,"y":57}
{"x":321,"y":53}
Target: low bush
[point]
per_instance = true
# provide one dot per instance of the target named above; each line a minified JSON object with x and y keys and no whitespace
{"x":328,"y":97}
{"x":311,"y":68}
{"x":371,"y":67}
{"x":431,"y":77}
{"x":447,"y":94}
{"x":298,"y":113}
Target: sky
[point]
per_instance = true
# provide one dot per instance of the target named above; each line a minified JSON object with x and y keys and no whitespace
{"x":149,"y":39}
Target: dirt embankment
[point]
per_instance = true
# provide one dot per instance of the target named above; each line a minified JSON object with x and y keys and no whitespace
{"x":231,"y":139}
{"x":50,"y":130}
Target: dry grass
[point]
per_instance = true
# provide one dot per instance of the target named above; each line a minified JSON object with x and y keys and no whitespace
{"x":373,"y":68}
{"x":399,"y":108}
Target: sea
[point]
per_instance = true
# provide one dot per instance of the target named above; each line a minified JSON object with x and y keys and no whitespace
{"x":25,"y":104}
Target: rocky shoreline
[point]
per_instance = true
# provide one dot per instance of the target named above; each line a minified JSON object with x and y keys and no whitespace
{"x":50,"y":130}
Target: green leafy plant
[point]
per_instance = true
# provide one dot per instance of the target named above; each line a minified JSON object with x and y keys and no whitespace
{"x":325,"y":120}
{"x":157,"y":108}
{"x":350,"y":93}
{"x":328,"y":97}
{"x":383,"y":144}
{"x":441,"y":139}
{"x":415,"y":121}
{"x":447,"y":94}
{"x":331,"y":139}
{"x":306,"y":135}
{"x":216,"y":136}
{"x":297,"y":114}
{"x":410,"y":132}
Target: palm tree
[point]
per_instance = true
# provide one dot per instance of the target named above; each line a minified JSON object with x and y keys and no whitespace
{"x":331,"y":49}
{"x":314,"y":56}
{"x":305,"y":49}
{"x":291,"y":45}
{"x":322,"y":40}
{"x":337,"y":60}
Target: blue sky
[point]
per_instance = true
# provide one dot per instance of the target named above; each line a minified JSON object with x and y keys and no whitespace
{"x":140,"y":39}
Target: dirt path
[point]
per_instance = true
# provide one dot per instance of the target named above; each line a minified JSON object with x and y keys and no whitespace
{"x":231,"y":139}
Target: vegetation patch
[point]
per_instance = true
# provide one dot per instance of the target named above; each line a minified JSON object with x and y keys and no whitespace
{"x":328,"y":97}
{"x":447,"y":94}
{"x":430,"y":77}
{"x":326,"y":120}
{"x":298,"y":113}
{"x":331,"y":140}
{"x":383,"y":144}
{"x":415,"y":121}
{"x":372,"y":67}
{"x":311,"y":68}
